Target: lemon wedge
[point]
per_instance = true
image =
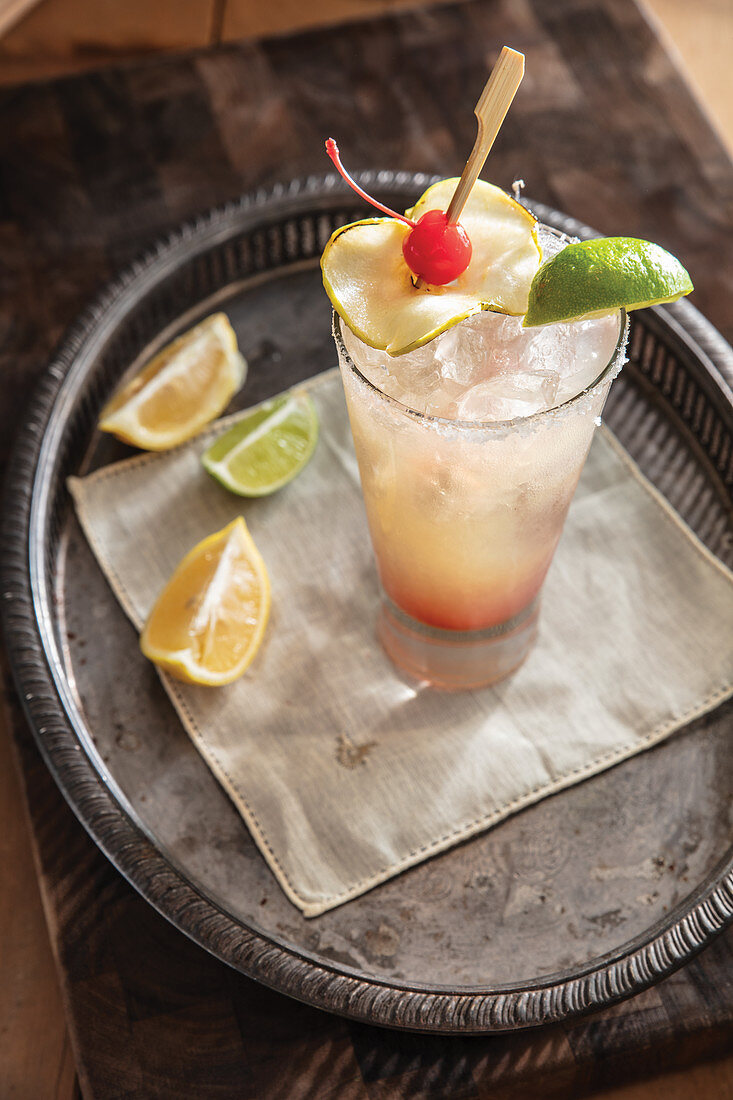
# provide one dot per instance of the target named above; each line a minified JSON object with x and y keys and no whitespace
{"x":181,"y":389}
{"x":210,"y":618}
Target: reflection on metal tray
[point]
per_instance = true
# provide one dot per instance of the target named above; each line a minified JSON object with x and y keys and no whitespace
{"x":585,"y":898}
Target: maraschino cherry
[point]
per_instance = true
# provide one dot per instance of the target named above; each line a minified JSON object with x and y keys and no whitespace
{"x":434,"y":249}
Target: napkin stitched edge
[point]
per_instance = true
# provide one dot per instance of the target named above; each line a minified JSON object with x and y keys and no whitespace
{"x":462,"y":832}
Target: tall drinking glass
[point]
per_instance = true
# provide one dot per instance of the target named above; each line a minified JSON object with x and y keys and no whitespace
{"x":464,"y":518}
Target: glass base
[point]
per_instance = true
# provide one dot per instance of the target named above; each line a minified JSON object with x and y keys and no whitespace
{"x":456,"y":660}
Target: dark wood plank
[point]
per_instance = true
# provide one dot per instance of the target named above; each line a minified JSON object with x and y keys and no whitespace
{"x":91,"y":169}
{"x":61,"y":36}
{"x":30,"y":1004}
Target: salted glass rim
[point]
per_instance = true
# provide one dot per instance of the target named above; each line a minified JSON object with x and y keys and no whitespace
{"x":490,"y":425}
{"x":485,"y":425}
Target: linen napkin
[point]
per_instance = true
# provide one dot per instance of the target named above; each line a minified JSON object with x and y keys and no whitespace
{"x":346,"y":774}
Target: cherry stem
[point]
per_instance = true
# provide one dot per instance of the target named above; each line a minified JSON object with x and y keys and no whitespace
{"x":333,"y":151}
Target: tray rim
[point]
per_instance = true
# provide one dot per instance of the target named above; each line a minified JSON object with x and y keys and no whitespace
{"x":660,"y":949}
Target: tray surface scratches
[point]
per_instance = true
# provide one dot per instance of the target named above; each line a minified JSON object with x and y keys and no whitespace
{"x":577,"y":901}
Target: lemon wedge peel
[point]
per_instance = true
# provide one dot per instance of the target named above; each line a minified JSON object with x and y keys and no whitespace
{"x":372,"y":289}
{"x":266,"y":448}
{"x":214,"y":608}
{"x":184,"y":386}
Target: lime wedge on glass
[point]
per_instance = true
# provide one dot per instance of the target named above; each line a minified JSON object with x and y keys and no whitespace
{"x":266,"y":448}
{"x":590,"y":278}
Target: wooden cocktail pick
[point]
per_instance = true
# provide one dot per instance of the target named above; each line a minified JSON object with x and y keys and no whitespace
{"x":491,"y":109}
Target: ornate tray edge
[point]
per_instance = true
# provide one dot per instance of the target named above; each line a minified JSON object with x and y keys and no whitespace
{"x":640,"y":964}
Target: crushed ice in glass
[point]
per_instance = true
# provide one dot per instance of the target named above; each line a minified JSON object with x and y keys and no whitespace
{"x":489,"y":368}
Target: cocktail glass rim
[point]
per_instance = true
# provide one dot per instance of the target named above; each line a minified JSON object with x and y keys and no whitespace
{"x":617,"y":359}
{"x":612,"y":367}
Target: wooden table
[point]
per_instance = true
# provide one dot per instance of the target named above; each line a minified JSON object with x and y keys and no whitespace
{"x":96,"y":166}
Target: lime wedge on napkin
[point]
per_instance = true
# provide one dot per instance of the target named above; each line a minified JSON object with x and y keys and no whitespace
{"x":590,"y":278}
{"x":266,"y":448}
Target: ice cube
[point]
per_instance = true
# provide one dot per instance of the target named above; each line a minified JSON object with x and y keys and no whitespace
{"x":586,"y":354}
{"x":456,"y":360}
{"x":503,"y":397}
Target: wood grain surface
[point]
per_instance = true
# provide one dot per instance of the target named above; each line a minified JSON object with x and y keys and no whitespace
{"x":93,"y":168}
{"x":701,"y":41}
{"x":12,"y":11}
{"x":31,"y":1008}
{"x":67,"y":36}
{"x":58,"y":36}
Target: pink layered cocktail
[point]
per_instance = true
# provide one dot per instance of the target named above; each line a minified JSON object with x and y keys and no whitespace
{"x":469,"y":450}
{"x":476,"y":348}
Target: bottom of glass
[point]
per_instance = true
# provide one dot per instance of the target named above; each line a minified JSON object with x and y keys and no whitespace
{"x":456,"y":660}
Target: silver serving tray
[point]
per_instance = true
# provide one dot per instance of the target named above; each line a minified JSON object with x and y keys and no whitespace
{"x":574,"y":903}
